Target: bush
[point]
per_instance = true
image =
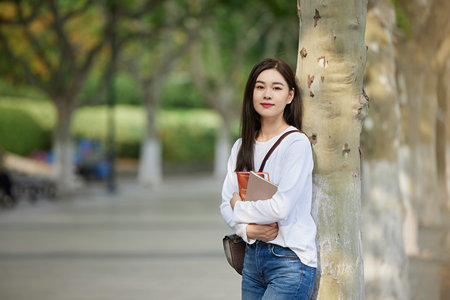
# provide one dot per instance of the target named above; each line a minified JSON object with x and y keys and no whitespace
{"x":187,"y":135}
{"x":42,"y":111}
{"x":91,"y":123}
{"x":20,"y":133}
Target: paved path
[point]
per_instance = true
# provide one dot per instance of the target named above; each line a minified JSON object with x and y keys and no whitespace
{"x":137,"y":244}
{"x":145,"y":244}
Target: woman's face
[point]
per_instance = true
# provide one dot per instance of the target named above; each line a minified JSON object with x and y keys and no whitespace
{"x":271,"y":94}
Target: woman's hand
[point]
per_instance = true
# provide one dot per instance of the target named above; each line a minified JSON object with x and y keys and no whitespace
{"x":235,"y":198}
{"x":265,"y":233}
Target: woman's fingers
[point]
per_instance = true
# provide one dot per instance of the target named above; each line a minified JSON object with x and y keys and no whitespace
{"x":270,"y":232}
{"x":263,"y":233}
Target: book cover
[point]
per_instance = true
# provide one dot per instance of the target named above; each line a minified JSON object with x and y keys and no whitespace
{"x":242,"y":178}
{"x":259,"y":188}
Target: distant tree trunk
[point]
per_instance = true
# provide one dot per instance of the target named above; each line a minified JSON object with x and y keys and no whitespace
{"x":222,"y":149}
{"x":150,"y":165}
{"x":408,"y":164}
{"x":330,"y":69}
{"x":207,"y":58}
{"x":428,"y":174}
{"x":446,"y":113}
{"x":220,"y":98}
{"x":385,"y":261}
{"x":63,"y":146}
{"x":223,"y":143}
{"x":167,"y":51}
{"x":441,"y":141}
{"x":430,"y":27}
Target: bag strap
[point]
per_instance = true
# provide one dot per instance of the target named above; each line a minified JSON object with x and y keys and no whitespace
{"x":275,"y":146}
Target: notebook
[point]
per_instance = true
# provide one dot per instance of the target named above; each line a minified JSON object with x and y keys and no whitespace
{"x":242,"y":177}
{"x":259,"y":188}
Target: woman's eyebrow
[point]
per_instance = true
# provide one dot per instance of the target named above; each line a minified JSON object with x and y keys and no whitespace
{"x":276,"y":82}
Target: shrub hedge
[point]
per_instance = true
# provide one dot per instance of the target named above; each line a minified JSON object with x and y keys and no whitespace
{"x":20,"y":133}
{"x":187,"y":135}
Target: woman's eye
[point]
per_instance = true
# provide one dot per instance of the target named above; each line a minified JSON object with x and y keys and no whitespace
{"x":259,"y":87}
{"x":277,"y":88}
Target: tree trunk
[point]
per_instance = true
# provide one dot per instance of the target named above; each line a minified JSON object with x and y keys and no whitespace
{"x":446,"y":78}
{"x":419,"y":133}
{"x":150,"y":164}
{"x":385,"y":261}
{"x":407,"y":166}
{"x":222,"y":148}
{"x":447,"y":131}
{"x":441,"y":141}
{"x":63,"y":146}
{"x":330,"y":68}
{"x":429,"y":26}
{"x":428,"y":174}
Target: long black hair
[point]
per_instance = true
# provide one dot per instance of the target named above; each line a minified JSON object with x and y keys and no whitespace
{"x":250,"y":119}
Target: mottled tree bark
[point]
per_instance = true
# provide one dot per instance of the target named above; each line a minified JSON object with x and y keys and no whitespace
{"x":385,"y":261}
{"x":330,"y":68}
{"x":419,"y":75}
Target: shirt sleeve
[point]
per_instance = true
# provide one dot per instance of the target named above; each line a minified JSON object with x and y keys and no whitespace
{"x":297,"y":166}
{"x":230,"y":186}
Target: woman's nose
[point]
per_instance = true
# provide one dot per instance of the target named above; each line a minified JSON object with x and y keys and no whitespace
{"x":267,"y":94}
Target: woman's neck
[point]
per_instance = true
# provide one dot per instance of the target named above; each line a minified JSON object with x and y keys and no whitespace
{"x":271,"y":129}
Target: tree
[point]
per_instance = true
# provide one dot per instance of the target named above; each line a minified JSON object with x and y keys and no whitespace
{"x":55,"y":44}
{"x":424,"y":48}
{"x":63,"y":39}
{"x":330,"y":68}
{"x":239,"y":35}
{"x":383,"y":211}
{"x":157,"y":56}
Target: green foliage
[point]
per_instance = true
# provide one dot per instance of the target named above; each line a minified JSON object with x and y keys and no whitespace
{"x":403,"y":21}
{"x":126,"y":88}
{"x":20,"y":91}
{"x":20,"y":132}
{"x":42,"y":111}
{"x":179,"y":92}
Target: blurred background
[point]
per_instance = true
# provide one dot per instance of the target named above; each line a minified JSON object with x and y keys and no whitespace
{"x":116,"y":122}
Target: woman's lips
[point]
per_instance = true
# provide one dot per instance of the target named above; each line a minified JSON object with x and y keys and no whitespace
{"x":267,"y":105}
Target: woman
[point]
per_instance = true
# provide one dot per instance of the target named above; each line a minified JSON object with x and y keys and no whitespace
{"x":281,"y":258}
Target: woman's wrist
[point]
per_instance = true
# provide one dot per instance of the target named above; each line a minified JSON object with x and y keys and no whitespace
{"x":235,"y":199}
{"x":249,"y":232}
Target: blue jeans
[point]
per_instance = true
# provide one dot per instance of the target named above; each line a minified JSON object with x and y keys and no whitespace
{"x":274,"y":272}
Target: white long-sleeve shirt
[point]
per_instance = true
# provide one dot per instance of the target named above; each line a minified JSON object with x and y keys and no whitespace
{"x":290,"y":168}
